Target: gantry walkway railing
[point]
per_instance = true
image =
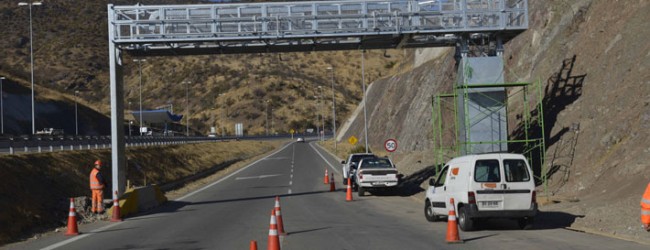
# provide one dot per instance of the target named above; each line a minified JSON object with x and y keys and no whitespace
{"x":307,"y":26}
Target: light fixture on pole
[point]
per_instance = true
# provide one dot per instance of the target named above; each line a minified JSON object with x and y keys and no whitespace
{"x":139,"y":61}
{"x":187,"y":107}
{"x":76,"y":121}
{"x":333,"y":109}
{"x":31,"y":56}
{"x":2,"y":109}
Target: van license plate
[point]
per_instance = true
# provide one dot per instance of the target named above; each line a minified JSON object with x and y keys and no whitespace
{"x":490,"y":204}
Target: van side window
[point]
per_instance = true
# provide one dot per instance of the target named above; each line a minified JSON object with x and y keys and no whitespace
{"x":487,"y":171}
{"x":516,"y":170}
{"x":442,"y":177}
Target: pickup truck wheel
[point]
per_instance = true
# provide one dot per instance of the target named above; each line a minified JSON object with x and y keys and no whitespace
{"x":526,"y":223}
{"x":361,"y":191}
{"x":428,"y":212}
{"x":465,"y":223}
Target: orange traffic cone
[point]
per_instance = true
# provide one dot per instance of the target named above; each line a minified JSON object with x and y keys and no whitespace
{"x":116,"y":209}
{"x":274,"y":239}
{"x":253,"y":245}
{"x":348,"y":195}
{"x":72,"y":220}
{"x":452,"y":226}
{"x":326,"y":179}
{"x":332,"y":186}
{"x":278,"y":216}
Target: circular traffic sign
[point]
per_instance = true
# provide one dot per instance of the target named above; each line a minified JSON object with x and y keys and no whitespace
{"x":390,"y":145}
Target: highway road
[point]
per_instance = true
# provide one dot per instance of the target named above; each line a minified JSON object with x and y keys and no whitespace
{"x":234,"y":210}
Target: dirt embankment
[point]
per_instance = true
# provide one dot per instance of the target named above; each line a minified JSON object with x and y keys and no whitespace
{"x":36,"y":187}
{"x":592,"y":59}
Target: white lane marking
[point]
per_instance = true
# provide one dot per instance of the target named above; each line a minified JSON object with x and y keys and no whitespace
{"x":76,"y":238}
{"x":257,"y":177}
{"x":321,"y":156}
{"x":290,"y":182}
{"x":289,"y":191}
{"x":230,"y":175}
{"x":291,"y":177}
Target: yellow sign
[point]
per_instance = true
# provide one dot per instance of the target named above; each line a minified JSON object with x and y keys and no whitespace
{"x":352,"y":140}
{"x":292,"y":131}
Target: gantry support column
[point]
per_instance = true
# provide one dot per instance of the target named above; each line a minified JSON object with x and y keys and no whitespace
{"x":118,"y":160}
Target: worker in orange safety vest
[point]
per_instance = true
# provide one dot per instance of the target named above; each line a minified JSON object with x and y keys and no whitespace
{"x":645,"y":209}
{"x":97,"y":184}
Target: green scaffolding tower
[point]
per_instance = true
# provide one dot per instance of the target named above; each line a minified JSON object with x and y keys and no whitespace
{"x":474,"y":118}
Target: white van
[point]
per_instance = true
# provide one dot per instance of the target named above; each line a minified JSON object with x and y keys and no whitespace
{"x":496,"y":185}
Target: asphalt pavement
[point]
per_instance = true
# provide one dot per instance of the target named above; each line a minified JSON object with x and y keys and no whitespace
{"x":234,"y":210}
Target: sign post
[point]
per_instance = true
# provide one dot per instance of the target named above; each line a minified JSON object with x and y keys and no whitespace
{"x":390,"y":145}
{"x":291,"y":131}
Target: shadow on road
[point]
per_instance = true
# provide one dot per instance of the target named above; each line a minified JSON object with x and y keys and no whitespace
{"x":543,"y":221}
{"x":175,"y":206}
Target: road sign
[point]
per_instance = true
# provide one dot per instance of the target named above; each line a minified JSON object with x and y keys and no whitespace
{"x":292,"y":131}
{"x":390,"y":145}
{"x":352,"y":140}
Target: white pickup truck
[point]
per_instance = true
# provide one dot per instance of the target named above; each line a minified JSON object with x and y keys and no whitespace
{"x":375,"y":173}
{"x":350,"y":166}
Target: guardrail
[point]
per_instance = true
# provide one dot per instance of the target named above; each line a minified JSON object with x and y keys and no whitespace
{"x":46,"y":143}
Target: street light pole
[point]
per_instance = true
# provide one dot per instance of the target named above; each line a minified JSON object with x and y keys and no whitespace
{"x":76,"y":121}
{"x":187,"y":107}
{"x":139,"y":61}
{"x":272,"y":122}
{"x":363,"y":87}
{"x":2,"y":109}
{"x":267,"y":117}
{"x":31,"y":53}
{"x":333,"y":110}
{"x":322,"y":99}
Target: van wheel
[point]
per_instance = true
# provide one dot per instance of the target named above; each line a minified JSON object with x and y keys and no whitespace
{"x":361,"y":191}
{"x":428,"y":212}
{"x":465,"y":223}
{"x":526,"y":223}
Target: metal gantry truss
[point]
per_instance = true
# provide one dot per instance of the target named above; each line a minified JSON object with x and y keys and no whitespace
{"x":309,"y":26}
{"x":175,"y":30}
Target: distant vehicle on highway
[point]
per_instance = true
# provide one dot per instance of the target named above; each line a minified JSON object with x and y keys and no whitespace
{"x":50,"y":131}
{"x":350,"y":166}
{"x":375,"y":174}
{"x":496,"y":185}
{"x":300,"y":139}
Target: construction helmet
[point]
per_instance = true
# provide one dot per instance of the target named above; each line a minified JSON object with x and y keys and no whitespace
{"x":98,"y":162}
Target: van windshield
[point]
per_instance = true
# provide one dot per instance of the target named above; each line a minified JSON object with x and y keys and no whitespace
{"x":487,"y":171}
{"x":516,"y":170}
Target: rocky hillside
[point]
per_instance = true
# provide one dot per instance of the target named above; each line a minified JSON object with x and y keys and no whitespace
{"x":593,"y":60}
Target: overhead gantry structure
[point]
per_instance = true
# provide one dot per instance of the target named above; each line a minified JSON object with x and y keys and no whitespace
{"x":178,"y":30}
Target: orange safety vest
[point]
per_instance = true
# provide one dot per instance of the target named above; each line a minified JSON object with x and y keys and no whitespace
{"x":645,"y":206}
{"x":94,"y":182}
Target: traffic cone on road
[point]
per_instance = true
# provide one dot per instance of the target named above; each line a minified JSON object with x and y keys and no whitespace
{"x":72,"y":220}
{"x":278,"y":216}
{"x":326,"y":178}
{"x":452,"y":226}
{"x":274,"y":239}
{"x":116,"y":209}
{"x":253,"y":245}
{"x":348,"y":195}
{"x":332,"y":186}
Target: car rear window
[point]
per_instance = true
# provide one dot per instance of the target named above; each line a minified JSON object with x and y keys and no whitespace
{"x":358,"y":158}
{"x":376,"y":163}
{"x":487,"y":171}
{"x":516,"y":170}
